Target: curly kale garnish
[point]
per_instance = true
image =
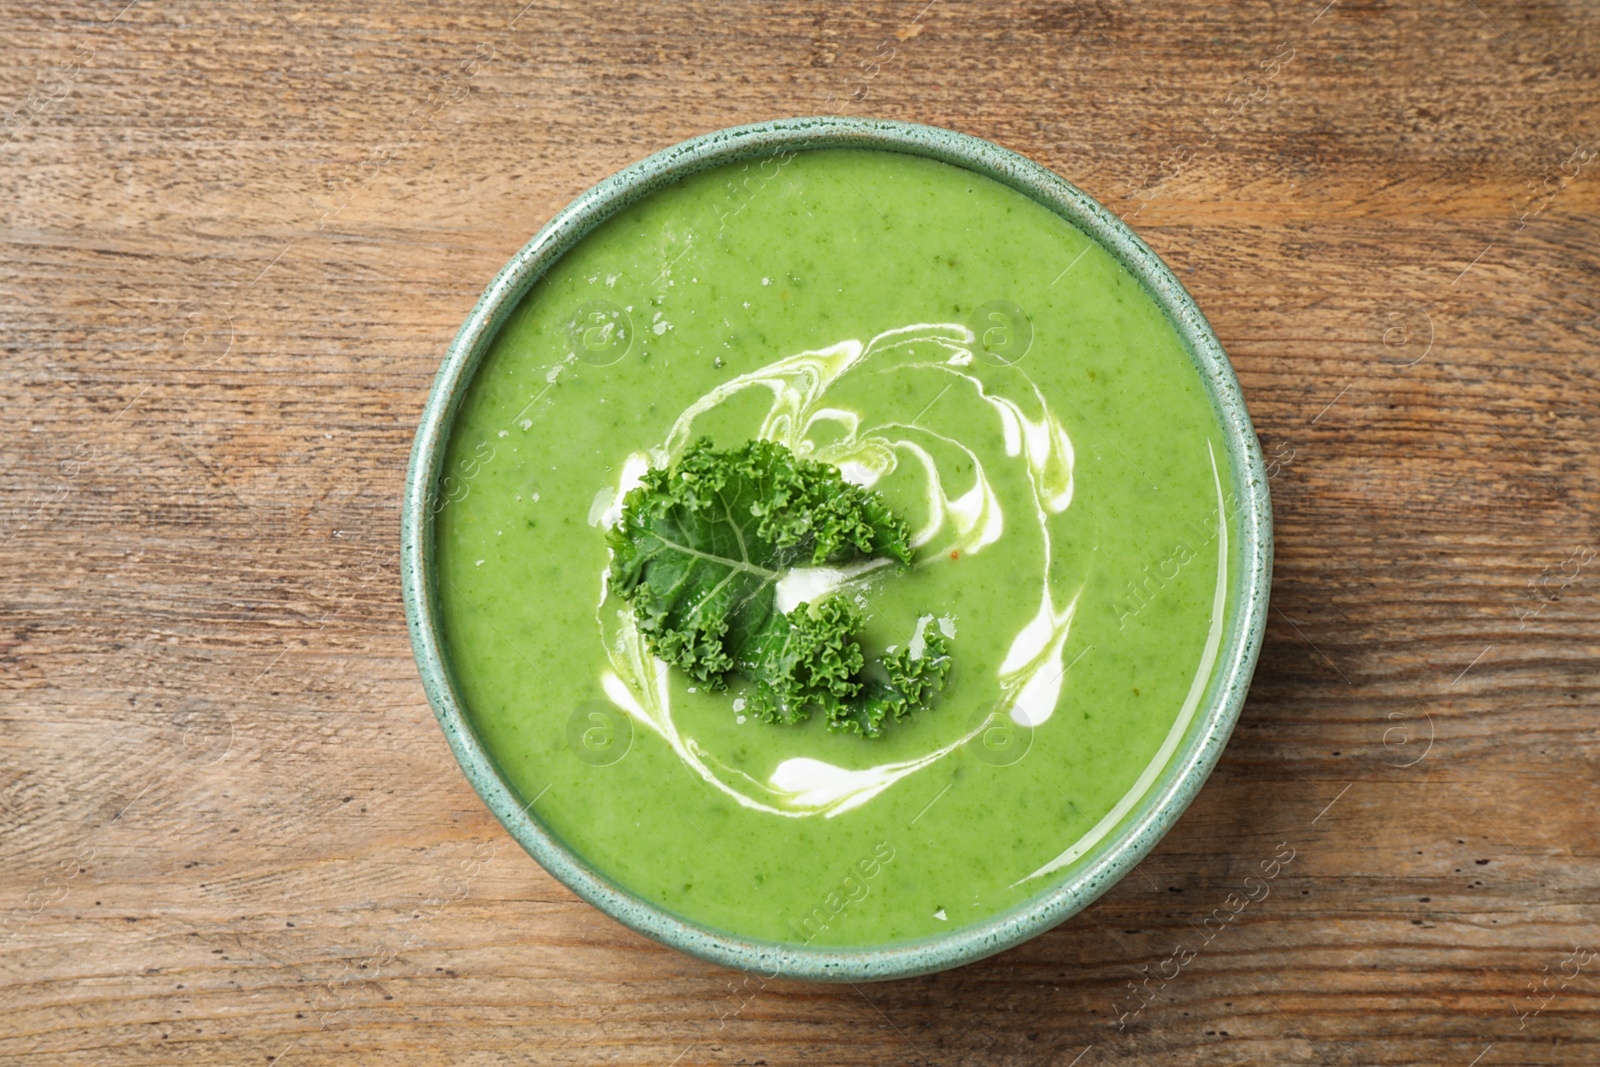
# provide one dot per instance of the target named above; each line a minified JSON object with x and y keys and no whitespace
{"x":700,"y":550}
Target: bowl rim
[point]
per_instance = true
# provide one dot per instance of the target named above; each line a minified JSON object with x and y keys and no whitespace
{"x":1152,"y":815}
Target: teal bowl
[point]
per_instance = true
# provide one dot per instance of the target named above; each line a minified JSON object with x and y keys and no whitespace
{"x":1149,"y":816}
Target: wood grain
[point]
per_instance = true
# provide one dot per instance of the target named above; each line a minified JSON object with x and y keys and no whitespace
{"x":237,"y":240}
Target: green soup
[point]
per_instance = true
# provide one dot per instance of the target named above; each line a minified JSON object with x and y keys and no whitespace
{"x":1016,"y":397}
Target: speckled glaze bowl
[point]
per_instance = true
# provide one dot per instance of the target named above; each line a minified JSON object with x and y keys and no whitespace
{"x":1151,"y":816}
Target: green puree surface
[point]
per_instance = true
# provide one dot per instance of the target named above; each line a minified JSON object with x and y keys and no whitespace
{"x":727,"y":272}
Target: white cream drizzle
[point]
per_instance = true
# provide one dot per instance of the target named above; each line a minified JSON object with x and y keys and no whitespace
{"x":965,"y":521}
{"x":919,"y":640}
{"x":802,"y":585}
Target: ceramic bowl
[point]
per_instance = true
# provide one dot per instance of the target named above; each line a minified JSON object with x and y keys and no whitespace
{"x":1151,"y":814}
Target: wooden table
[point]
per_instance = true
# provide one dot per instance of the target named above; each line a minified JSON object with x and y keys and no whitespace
{"x":237,"y":240}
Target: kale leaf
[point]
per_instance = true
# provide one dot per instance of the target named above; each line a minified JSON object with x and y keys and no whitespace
{"x":698,"y":555}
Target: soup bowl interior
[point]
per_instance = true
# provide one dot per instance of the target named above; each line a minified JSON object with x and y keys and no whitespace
{"x":1125,"y":839}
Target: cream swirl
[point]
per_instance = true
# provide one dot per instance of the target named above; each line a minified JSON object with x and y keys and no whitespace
{"x":961,"y":512}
